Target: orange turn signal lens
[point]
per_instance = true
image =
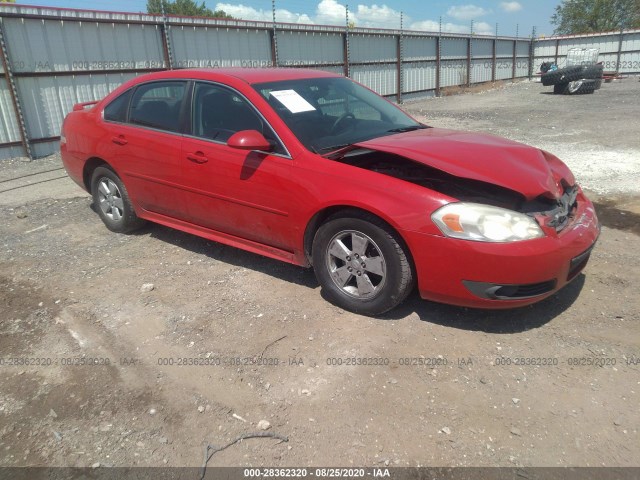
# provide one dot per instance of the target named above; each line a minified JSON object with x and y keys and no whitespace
{"x":452,"y":221}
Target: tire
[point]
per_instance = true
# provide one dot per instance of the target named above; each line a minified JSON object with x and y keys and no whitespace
{"x":580,"y":87}
{"x":362,"y":264}
{"x":598,"y":83}
{"x":112,"y":201}
{"x":559,"y":88}
{"x":593,"y":71}
{"x":562,"y":75}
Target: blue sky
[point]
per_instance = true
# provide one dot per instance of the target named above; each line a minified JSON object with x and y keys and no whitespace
{"x":418,"y":15}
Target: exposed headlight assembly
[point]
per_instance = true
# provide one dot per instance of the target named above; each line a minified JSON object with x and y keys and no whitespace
{"x":483,"y":223}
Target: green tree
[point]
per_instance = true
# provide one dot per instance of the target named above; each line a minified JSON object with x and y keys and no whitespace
{"x":590,"y":16}
{"x":184,"y":7}
{"x":7,"y":1}
{"x":221,"y":14}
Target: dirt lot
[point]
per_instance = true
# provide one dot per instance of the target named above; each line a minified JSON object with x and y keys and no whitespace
{"x":99,"y":388}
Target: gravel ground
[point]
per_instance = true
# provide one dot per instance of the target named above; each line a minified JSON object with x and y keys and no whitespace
{"x":140,"y":347}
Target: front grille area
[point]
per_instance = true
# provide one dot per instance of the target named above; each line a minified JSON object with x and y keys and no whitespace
{"x":493,"y":291}
{"x":558,"y":213}
{"x":559,"y":217}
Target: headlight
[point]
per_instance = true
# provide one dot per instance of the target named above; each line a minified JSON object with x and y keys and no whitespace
{"x":483,"y":223}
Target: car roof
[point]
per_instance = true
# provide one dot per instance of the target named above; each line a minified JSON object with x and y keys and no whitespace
{"x":249,"y":75}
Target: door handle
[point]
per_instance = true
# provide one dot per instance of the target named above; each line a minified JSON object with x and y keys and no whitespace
{"x":119,"y":140}
{"x":197,"y":157}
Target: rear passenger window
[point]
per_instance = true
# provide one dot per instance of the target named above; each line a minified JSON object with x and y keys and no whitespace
{"x":157,"y":105}
{"x":116,"y":111}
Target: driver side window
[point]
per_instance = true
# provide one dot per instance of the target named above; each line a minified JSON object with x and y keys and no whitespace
{"x":218,"y":113}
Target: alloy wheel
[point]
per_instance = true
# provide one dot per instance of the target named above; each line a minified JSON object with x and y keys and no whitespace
{"x":356,"y":264}
{"x":110,"y":199}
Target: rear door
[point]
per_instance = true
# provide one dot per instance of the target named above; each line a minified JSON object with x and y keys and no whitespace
{"x":147,"y":146}
{"x":238,"y":192}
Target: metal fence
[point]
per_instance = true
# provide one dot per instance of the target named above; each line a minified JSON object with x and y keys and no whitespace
{"x":619,"y":51}
{"x":53,"y":58}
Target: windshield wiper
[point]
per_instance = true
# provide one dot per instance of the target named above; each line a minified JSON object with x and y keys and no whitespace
{"x":407,"y":129}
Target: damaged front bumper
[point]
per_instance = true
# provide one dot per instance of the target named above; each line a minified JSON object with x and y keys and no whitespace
{"x":505,"y":275}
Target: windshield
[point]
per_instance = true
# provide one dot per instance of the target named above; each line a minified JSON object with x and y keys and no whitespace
{"x":330,"y":113}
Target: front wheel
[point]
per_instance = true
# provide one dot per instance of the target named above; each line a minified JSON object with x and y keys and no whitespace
{"x":362,"y":264}
{"x":112,"y":202}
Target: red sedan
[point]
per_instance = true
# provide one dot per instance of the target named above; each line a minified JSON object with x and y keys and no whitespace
{"x":314,"y":169}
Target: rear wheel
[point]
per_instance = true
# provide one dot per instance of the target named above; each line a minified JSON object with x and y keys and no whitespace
{"x":361,"y":264}
{"x":112,"y":201}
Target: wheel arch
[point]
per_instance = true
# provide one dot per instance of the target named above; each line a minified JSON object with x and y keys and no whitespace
{"x":321,"y":217}
{"x":89,"y":167}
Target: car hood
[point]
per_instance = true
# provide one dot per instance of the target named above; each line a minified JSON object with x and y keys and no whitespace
{"x":527,"y":170}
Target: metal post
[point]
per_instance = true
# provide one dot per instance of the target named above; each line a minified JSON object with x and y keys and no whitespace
{"x":165,"y":47}
{"x":438,"y":58}
{"x":494,"y":56}
{"x":399,"y":65}
{"x":469,"y":55}
{"x":532,"y":52}
{"x":619,"y":56}
{"x":345,"y":43}
{"x":624,"y":14}
{"x":274,"y":36}
{"x":515,"y":55}
{"x":166,"y":41}
{"x":557,"y":49}
{"x":13,"y":91}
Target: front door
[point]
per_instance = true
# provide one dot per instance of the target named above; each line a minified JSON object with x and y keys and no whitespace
{"x":238,"y":192}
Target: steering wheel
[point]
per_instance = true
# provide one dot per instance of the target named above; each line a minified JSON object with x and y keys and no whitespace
{"x":341,"y":119}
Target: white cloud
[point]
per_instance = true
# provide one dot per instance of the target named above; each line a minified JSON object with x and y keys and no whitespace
{"x":249,"y":13}
{"x":380,"y":16}
{"x":479,"y":28}
{"x":331,"y":12}
{"x":466,"y":12}
{"x":483,"y":28}
{"x":433,"y":26}
{"x":328,"y":12}
{"x":511,"y":7}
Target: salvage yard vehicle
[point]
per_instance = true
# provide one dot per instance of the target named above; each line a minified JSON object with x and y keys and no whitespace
{"x":311,"y":168}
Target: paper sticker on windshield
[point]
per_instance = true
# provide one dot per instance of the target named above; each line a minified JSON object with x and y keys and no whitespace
{"x":293,"y":101}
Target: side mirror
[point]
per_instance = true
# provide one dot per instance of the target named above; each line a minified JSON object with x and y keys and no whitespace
{"x":249,"y":140}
